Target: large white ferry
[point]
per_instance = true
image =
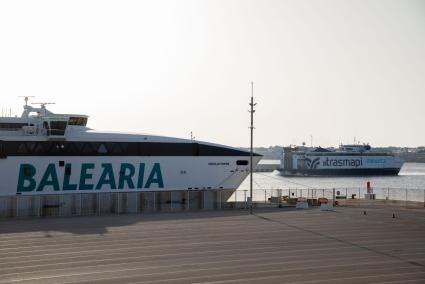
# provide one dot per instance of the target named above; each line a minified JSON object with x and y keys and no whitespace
{"x":348,"y":160}
{"x":46,"y":153}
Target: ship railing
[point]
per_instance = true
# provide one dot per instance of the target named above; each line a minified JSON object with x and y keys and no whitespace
{"x":105,"y":203}
{"x":394,"y":196}
{"x":102,"y":203}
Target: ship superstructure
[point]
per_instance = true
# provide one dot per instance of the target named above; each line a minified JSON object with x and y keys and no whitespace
{"x":46,"y":153}
{"x":348,"y":160}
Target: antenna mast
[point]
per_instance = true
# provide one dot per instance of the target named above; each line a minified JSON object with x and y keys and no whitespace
{"x":26,"y":99}
{"x":43,"y":104}
{"x":252,"y":104}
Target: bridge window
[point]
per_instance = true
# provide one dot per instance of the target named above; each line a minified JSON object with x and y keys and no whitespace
{"x":79,"y":121}
{"x":57,"y":127}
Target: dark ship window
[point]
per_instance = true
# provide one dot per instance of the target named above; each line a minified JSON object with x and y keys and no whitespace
{"x":12,"y":126}
{"x":83,"y":148}
{"x":57,"y":127}
{"x":79,"y":121}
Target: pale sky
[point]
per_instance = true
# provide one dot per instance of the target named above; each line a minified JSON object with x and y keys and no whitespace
{"x":331,"y":69}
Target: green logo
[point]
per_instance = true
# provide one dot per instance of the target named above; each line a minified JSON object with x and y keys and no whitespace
{"x":128,"y":177}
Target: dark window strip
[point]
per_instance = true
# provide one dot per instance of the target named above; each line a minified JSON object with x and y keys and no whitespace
{"x":11,"y":126}
{"x":54,"y":148}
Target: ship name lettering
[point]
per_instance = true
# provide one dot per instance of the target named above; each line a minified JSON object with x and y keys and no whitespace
{"x":342,"y":162}
{"x":129,"y":176}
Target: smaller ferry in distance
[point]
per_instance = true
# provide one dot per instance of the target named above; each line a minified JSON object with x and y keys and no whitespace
{"x":348,"y":160}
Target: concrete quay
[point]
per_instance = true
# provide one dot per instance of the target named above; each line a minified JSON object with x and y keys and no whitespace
{"x":350,"y":245}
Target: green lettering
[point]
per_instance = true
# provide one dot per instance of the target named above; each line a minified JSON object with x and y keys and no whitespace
{"x":66,"y":178}
{"x":26,"y":175}
{"x":85,"y":176}
{"x":155,"y":177}
{"x":107,"y":177}
{"x":141,"y":176}
{"x":126,"y":177}
{"x":50,"y":178}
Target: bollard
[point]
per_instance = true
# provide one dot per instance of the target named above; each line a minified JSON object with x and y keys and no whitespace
{"x":333,"y":196}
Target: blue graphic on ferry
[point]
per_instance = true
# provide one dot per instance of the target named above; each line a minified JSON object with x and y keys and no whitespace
{"x":312,"y":164}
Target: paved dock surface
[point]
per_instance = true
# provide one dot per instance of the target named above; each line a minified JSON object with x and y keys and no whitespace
{"x":277,"y":246}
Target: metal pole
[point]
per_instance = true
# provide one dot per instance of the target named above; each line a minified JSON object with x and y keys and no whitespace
{"x":252,"y":142}
{"x":118,"y":203}
{"x":17,"y":206}
{"x":406,"y":197}
{"x":39,"y":206}
{"x":98,"y":203}
{"x":60,"y":202}
{"x":244,"y":197}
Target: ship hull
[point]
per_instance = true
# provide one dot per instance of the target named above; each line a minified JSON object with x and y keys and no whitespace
{"x":35,"y":175}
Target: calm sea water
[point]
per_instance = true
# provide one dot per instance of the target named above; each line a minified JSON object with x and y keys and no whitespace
{"x":410,"y":182}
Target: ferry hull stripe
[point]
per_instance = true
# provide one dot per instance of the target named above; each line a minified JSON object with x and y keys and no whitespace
{"x":342,"y":172}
